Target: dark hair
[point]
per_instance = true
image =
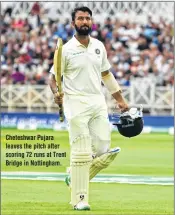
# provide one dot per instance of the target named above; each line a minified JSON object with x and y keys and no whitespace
{"x":83,"y":8}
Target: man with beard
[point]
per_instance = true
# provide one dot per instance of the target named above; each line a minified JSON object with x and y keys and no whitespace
{"x":84,"y":66}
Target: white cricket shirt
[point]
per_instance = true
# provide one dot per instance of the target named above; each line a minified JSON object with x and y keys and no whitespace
{"x":82,"y":67}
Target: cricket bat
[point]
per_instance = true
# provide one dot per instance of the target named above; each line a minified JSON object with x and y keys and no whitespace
{"x":57,"y":69}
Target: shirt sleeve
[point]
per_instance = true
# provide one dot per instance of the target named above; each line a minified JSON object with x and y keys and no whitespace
{"x":105,"y":63}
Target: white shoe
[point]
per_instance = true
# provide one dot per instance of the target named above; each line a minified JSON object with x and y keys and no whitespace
{"x":82,"y":206}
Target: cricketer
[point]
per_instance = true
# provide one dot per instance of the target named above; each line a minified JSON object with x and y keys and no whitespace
{"x":84,"y":65}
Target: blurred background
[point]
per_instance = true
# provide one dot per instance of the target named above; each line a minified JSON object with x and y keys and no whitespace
{"x":139,"y":39}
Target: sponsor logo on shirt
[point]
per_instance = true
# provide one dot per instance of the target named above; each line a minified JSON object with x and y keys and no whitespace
{"x":77,"y":53}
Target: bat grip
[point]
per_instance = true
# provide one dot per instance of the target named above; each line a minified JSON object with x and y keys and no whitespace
{"x":61,"y":113}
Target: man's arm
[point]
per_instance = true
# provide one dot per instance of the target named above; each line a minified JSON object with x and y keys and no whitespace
{"x":52,"y":83}
{"x":53,"y":86}
{"x":114,"y":88}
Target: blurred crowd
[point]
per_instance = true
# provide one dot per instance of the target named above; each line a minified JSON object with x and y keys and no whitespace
{"x":134,"y":50}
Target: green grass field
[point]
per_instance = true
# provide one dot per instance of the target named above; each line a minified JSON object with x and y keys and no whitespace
{"x":146,"y":154}
{"x":34,"y":197}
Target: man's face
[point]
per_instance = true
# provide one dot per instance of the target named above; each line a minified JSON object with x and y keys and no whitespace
{"x":82,"y":23}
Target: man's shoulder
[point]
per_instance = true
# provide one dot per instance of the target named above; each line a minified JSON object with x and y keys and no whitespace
{"x":68,"y":43}
{"x":96,"y":41}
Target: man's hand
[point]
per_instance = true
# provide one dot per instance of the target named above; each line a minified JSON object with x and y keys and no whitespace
{"x":58,"y":98}
{"x":123,"y":106}
{"x":120,"y":101}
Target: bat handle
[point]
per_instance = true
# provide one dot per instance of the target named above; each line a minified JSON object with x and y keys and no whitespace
{"x":61,"y":113}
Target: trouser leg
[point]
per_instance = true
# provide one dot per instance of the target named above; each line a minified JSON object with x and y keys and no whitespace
{"x":101,"y":138}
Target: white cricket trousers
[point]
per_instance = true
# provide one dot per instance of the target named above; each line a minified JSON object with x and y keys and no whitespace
{"x":88,"y":116}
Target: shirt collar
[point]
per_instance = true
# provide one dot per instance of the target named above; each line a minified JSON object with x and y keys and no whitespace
{"x":78,"y":43}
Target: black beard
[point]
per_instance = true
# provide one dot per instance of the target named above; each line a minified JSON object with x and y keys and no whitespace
{"x":83,"y":32}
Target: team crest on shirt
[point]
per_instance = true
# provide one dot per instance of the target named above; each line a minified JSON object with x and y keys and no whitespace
{"x":97,"y":51}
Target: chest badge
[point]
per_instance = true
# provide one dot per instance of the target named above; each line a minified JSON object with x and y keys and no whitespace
{"x":97,"y":51}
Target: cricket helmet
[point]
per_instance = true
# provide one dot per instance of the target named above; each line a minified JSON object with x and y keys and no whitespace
{"x":130,"y":123}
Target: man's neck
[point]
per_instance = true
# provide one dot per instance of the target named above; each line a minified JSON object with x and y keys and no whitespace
{"x":84,"y":40}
